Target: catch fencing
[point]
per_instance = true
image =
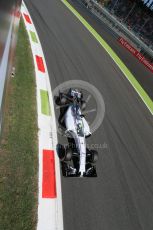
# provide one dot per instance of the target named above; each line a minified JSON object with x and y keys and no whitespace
{"x":119,"y":28}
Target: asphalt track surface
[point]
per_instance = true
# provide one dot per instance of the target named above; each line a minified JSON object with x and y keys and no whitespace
{"x":121,"y":198}
{"x":143,"y":76}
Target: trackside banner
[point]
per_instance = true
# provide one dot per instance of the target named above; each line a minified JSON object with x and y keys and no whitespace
{"x":136,"y":53}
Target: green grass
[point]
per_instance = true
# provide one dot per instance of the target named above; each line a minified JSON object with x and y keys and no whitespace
{"x":45,"y":108}
{"x":18,"y":150}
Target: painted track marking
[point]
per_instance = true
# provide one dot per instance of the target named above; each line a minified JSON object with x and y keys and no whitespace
{"x":141,"y":92}
{"x":45,"y":107}
{"x":40,"y":64}
{"x":27,"y":18}
{"x":49,"y":180}
{"x":50,"y":213}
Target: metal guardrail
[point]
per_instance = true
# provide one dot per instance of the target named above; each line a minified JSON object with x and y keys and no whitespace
{"x":8,"y":28}
{"x":117,"y":26}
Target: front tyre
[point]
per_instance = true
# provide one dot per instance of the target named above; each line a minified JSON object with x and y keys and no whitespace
{"x":60,"y":100}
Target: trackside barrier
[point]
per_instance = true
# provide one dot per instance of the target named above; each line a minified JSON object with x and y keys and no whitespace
{"x":50,"y":216}
{"x":4,"y":71}
{"x":116,"y":26}
{"x":9,"y":20}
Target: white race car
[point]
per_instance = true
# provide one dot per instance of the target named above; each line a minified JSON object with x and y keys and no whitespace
{"x":76,"y":159}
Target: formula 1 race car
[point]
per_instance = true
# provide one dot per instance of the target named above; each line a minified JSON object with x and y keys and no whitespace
{"x":76,"y":159}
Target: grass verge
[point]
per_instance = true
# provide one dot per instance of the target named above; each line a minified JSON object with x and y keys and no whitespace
{"x":18,"y":150}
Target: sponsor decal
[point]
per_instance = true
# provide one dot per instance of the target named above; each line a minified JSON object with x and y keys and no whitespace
{"x":136,"y":53}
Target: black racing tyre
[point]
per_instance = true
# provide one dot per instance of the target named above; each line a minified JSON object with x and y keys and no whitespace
{"x":93,"y":156}
{"x":57,"y":100}
{"x":63,"y":100}
{"x":64,"y":154}
{"x":68,"y":154}
{"x":60,"y":100}
{"x":60,"y":151}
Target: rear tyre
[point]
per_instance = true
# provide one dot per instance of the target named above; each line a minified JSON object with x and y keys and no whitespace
{"x":65,"y":154}
{"x":93,"y":156}
{"x":60,"y":151}
{"x":68,"y":154}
